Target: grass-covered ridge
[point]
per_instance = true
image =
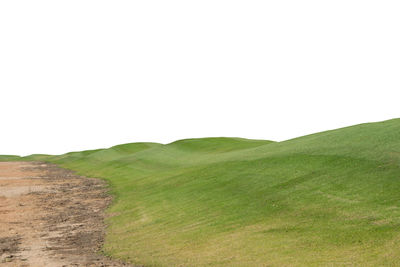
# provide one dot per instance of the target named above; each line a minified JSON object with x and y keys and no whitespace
{"x":331,"y":198}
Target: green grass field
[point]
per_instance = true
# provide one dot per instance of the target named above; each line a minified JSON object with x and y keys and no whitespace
{"x":330,"y":199}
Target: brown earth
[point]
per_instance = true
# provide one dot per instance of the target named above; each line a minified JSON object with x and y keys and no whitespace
{"x":51,"y":217}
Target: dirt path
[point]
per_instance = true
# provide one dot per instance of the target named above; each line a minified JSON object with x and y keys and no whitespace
{"x":50,"y":217}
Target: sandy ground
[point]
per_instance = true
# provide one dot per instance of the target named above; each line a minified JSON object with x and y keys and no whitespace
{"x":51,"y":217}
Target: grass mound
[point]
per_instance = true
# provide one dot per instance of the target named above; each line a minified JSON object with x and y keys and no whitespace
{"x":331,"y":198}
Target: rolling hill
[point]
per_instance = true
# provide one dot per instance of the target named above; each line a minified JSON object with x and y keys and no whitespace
{"x":331,"y":198}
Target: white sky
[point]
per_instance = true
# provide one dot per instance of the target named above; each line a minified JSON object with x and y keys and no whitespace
{"x":83,"y":74}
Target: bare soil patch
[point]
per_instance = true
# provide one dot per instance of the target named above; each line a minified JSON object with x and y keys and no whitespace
{"x":51,"y":217}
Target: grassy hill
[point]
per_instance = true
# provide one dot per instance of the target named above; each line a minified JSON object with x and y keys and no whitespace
{"x":331,"y":198}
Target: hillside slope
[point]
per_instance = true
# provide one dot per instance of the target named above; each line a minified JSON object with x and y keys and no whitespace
{"x":331,"y":198}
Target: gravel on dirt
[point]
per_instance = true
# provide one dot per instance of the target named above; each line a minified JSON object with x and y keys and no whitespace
{"x":50,"y":216}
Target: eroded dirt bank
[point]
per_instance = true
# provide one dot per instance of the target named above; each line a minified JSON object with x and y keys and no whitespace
{"x":51,"y":217}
